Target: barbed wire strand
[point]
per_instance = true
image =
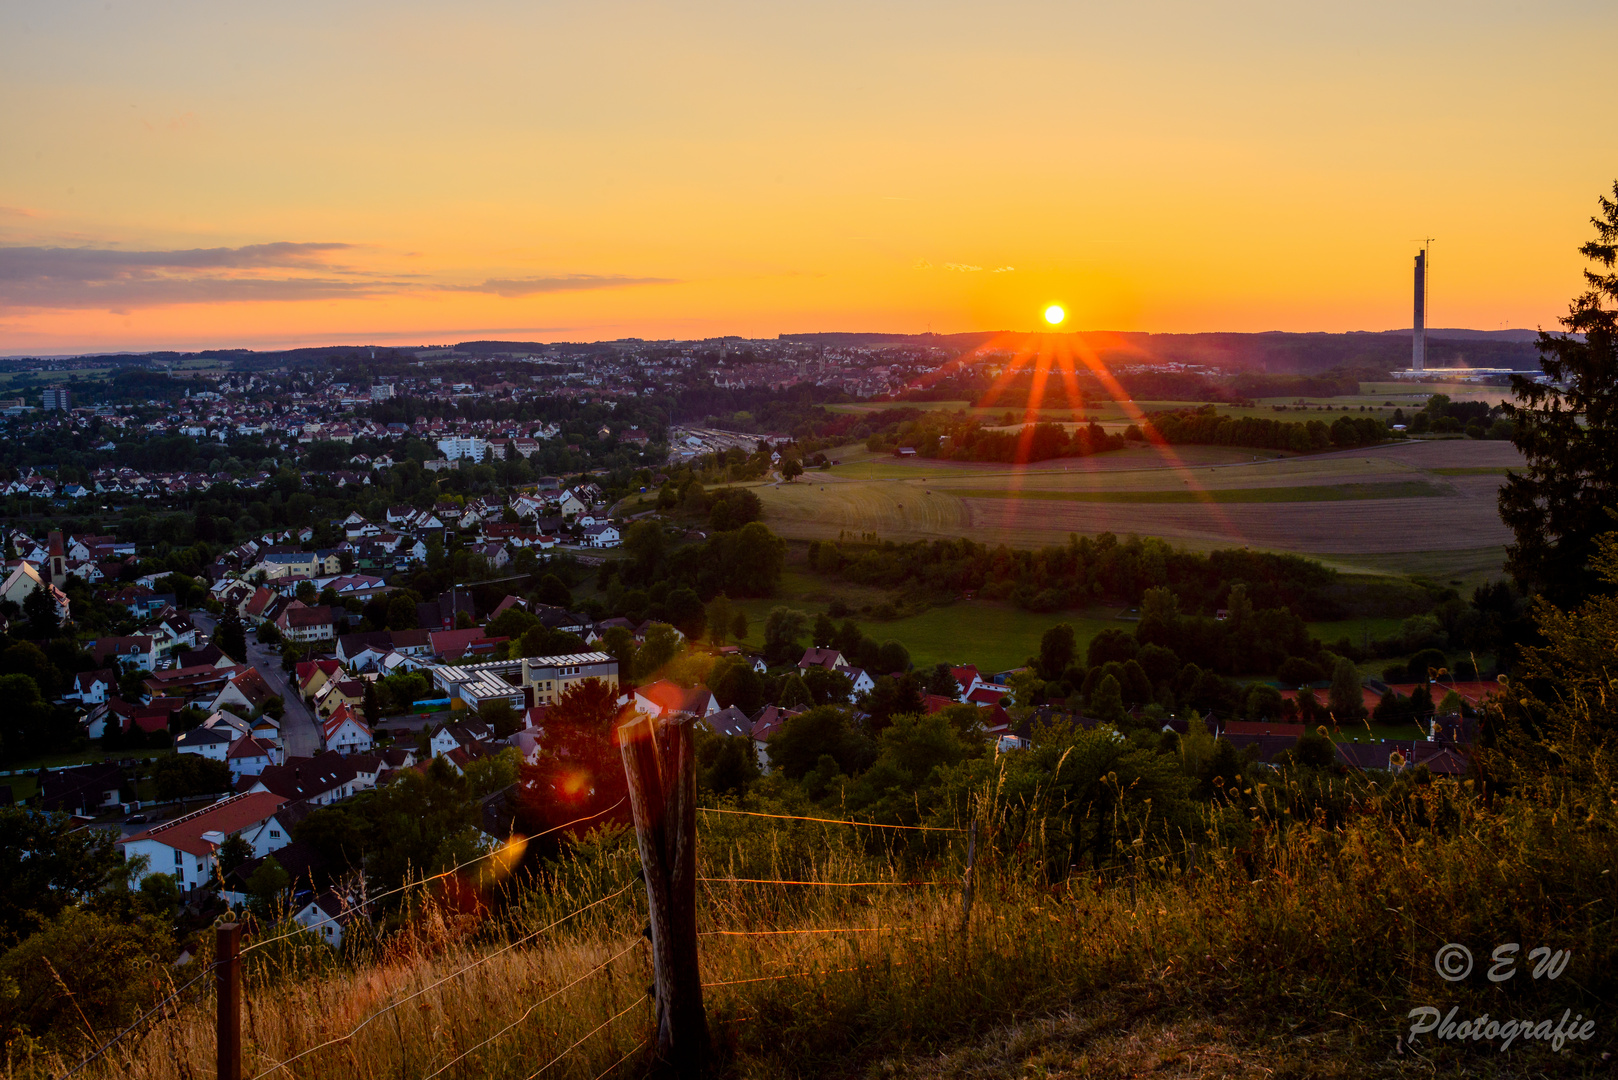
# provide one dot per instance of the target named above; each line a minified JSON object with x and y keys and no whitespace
{"x":829,"y":821}
{"x":529,"y":1011}
{"x":148,"y":1014}
{"x":776,"y":978}
{"x":582,"y":1040}
{"x":434,"y":985}
{"x":838,"y":884}
{"x":452,"y":870}
{"x":835,"y":930}
{"x":627,"y":1054}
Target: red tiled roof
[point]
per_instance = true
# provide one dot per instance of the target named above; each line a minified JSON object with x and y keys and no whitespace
{"x":229,"y":816}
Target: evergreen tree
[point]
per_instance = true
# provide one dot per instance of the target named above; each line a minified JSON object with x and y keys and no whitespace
{"x":1567,"y":429}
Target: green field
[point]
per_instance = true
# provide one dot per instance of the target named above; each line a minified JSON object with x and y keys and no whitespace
{"x":1408,"y":489}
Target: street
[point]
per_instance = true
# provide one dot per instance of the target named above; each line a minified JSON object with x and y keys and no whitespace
{"x":300,"y":736}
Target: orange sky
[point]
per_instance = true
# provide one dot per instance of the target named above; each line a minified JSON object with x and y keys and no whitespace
{"x":216,"y":174}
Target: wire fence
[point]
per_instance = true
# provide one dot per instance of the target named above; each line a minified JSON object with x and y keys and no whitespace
{"x":740,"y":931}
{"x":173,"y":997}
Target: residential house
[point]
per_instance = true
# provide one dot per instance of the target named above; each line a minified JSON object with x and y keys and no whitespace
{"x":208,"y":742}
{"x":346,"y":732}
{"x":328,"y":916}
{"x":318,"y":781}
{"x":248,"y":756}
{"x":186,"y":847}
{"x":311,"y":675}
{"x":303,"y":624}
{"x":664,"y":699}
{"x":84,"y":790}
{"x":602,"y":535}
{"x":245,"y":693}
{"x":24,"y":579}
{"x":92,"y":687}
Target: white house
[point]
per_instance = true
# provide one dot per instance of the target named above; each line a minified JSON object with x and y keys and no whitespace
{"x":345,"y":731}
{"x":863,"y":683}
{"x":185,"y":847}
{"x":248,"y":756}
{"x":326,"y":916}
{"x":602,"y":535}
{"x":92,"y":687}
{"x":207,"y":742}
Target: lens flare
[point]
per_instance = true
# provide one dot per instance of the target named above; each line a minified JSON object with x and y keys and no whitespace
{"x":1054,"y":314}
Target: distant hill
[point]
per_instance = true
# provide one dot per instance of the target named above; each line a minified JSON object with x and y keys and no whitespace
{"x":1279,"y":352}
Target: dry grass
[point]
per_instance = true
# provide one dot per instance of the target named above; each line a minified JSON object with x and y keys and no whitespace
{"x":1295,"y":950}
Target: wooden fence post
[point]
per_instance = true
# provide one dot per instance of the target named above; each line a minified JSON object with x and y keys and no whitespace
{"x":228,"y":975}
{"x":969,"y":882}
{"x":661,"y":770}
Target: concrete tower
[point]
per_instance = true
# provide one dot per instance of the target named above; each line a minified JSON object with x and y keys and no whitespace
{"x":1418,"y":337}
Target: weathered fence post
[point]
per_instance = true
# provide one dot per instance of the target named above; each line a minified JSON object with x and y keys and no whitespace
{"x":969,"y":881}
{"x":661,"y":770}
{"x":228,"y":976}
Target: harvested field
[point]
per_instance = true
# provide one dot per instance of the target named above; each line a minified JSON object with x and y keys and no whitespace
{"x":1368,"y":526}
{"x":1397,"y":489}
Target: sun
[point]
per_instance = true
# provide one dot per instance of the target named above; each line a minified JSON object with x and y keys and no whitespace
{"x":1054,"y":314}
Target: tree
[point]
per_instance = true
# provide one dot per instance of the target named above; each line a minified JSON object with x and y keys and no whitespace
{"x":893,"y":658}
{"x":179,"y":776}
{"x":1567,"y":430}
{"x":103,"y":972}
{"x":828,"y":687}
{"x":734,"y":682}
{"x":684,"y":609}
{"x":26,"y":721}
{"x":231,"y":636}
{"x":371,"y":704}
{"x":824,"y":633}
{"x":782,"y":629}
{"x":942,"y":682}
{"x":1107,"y":703}
{"x":804,"y":739}
{"x":305,"y":593}
{"x":791,"y":469}
{"x":1056,"y":651}
{"x":553,"y":591}
{"x":501,"y":716}
{"x":662,"y":645}
{"x":619,"y":644}
{"x":47,"y":862}
{"x":726,"y":764}
{"x":738,"y":625}
{"x":267,"y":885}
{"x":645,"y":544}
{"x":232,"y":853}
{"x":1347,"y":699}
{"x":40,"y":609}
{"x":401,"y":612}
{"x":720,"y":616}
{"x":794,"y":693}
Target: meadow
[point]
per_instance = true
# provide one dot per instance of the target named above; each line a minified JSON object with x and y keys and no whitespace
{"x":1422,"y":507}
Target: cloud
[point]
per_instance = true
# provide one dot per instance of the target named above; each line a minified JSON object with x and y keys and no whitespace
{"x":965,"y":268}
{"x":16,"y":211}
{"x":100,"y":277}
{"x":1002,"y":270}
{"x":513,"y":287}
{"x":119,"y":280}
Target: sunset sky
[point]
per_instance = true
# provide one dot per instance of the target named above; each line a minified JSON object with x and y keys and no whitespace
{"x":186,"y":175}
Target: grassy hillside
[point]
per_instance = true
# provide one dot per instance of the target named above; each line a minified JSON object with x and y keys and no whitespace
{"x":1295,"y":947}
